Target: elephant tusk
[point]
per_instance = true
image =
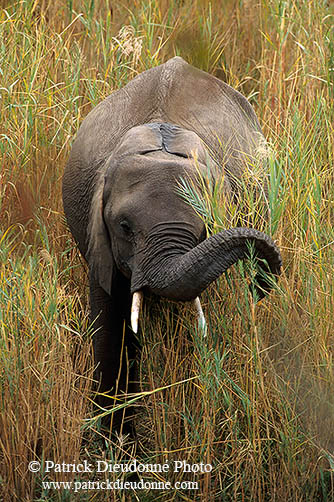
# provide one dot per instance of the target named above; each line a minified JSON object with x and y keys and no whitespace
{"x":200,"y":316}
{"x":137,"y":300}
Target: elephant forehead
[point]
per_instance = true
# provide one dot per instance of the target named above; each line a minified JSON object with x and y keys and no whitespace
{"x":140,"y":139}
{"x":161,"y":136}
{"x":153,"y":171}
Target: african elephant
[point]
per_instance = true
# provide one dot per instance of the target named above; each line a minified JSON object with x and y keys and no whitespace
{"x":136,"y":233}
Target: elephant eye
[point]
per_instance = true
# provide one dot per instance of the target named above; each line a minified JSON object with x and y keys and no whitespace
{"x":125,"y":227}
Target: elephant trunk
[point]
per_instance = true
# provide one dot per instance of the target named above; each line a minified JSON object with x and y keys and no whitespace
{"x":183,"y":277}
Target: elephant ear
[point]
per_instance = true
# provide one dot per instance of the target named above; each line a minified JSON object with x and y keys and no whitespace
{"x":99,"y":253}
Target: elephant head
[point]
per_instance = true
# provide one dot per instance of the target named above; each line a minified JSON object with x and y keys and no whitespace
{"x":141,"y":227}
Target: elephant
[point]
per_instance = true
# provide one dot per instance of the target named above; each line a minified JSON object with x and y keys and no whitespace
{"x":136,"y":233}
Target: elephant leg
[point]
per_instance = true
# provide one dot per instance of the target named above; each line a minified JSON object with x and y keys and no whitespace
{"x":114,"y":349}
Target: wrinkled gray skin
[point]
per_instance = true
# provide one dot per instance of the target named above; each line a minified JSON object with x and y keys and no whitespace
{"x":121,"y":205}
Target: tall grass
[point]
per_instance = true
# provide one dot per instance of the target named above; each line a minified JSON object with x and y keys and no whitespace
{"x":255,"y":398}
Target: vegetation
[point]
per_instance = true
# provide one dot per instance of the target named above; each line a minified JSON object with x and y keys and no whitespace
{"x":255,"y":398}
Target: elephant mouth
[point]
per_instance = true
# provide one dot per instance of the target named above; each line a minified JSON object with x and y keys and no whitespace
{"x":137,"y":301}
{"x":183,"y":276}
